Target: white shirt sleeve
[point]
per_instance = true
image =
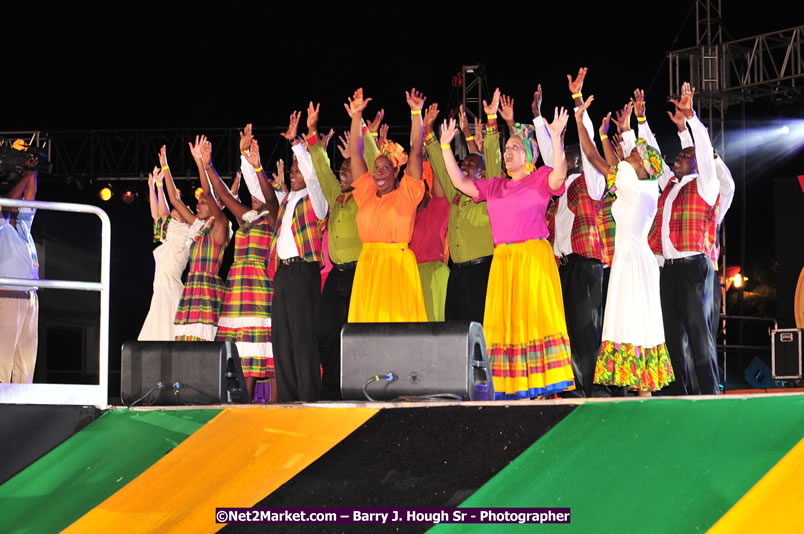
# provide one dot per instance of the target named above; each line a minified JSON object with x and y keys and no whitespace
{"x":595,"y":181}
{"x":647,"y":134}
{"x":543,"y":140}
{"x":686,"y":139}
{"x":317,"y":198}
{"x":726,"y":187}
{"x":708,"y":184}
{"x":250,"y":177}
{"x":628,"y":142}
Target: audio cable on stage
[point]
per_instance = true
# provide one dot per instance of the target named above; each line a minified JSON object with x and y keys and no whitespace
{"x":388,"y":377}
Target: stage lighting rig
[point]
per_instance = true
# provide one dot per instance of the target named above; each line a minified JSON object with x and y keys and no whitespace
{"x":15,"y":152}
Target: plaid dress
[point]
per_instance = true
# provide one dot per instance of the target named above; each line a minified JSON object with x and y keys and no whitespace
{"x":246,"y":314}
{"x":197,"y":315}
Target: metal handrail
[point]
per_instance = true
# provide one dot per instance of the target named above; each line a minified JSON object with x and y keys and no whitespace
{"x":69,"y":393}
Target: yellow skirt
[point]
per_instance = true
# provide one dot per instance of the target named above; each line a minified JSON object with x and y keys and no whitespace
{"x":526,"y":332}
{"x":387,"y":287}
{"x":434,"y":275}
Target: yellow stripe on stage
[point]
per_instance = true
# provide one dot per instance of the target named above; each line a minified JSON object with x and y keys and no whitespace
{"x":235,"y":460}
{"x":774,"y":503}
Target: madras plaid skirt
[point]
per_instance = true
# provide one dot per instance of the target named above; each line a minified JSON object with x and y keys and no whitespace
{"x":526,"y":333}
{"x":199,"y":307}
{"x":387,"y":287}
{"x":246,"y":317}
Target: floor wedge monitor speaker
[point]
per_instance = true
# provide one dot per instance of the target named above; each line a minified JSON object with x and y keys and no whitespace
{"x":181,"y":372}
{"x":387,"y":361}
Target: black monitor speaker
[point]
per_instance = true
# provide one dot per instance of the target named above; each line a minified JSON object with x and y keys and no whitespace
{"x":387,"y":361}
{"x":181,"y":372}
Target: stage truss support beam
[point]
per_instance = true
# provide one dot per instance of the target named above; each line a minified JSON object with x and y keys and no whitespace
{"x":763,"y":66}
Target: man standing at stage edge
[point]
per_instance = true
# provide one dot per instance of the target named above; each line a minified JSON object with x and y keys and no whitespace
{"x":682,"y":234}
{"x":19,"y":306}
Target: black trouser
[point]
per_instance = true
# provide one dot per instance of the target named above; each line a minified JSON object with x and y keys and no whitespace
{"x":297,"y":294}
{"x":466,"y":290}
{"x":581,"y":287}
{"x":686,"y":291}
{"x":333,"y":312}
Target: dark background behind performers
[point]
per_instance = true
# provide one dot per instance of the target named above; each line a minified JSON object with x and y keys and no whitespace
{"x":104,"y":66}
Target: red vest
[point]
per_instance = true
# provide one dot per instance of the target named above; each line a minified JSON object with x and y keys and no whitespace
{"x":307,"y":231}
{"x":605,"y":220}
{"x":585,"y":237}
{"x":692,"y":220}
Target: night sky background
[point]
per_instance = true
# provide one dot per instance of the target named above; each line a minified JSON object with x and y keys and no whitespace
{"x":139,"y":66}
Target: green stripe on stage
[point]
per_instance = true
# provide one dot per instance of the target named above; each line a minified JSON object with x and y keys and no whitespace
{"x":92,"y":465}
{"x":659,"y":465}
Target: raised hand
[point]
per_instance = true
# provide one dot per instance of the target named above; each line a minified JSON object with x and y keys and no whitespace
{"x":31,"y":162}
{"x":685,"y":104}
{"x":383,"y":134}
{"x":536,"y":105}
{"x":679,"y":119}
{"x":415,"y":99}
{"x":507,"y":109}
{"x":491,"y":109}
{"x":279,"y":175}
{"x":576,"y":85}
{"x":374,"y":126}
{"x":357,"y":104}
{"x":305,"y":142}
{"x":430,"y":116}
{"x":639,"y":103}
{"x":583,"y":107}
{"x":245,"y":139}
{"x":293,"y":127}
{"x":253,"y":156}
{"x":617,"y":143}
{"x":151,"y":180}
{"x":162,"y":155}
{"x":157,"y":176}
{"x":560,"y":118}
{"x":312,"y":116}
{"x":479,"y":134}
{"x":448,"y":131}
{"x":343,"y":144}
{"x":206,"y":152}
{"x":195,"y":149}
{"x":604,"y":125}
{"x":326,"y":138}
{"x":624,"y":117}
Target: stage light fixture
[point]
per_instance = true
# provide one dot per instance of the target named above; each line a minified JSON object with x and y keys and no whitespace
{"x":739,"y":280}
{"x":198,"y":193}
{"x":129,"y":197}
{"x":105,"y":194}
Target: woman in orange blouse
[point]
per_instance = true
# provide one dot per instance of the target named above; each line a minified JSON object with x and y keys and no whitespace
{"x":387,"y":287}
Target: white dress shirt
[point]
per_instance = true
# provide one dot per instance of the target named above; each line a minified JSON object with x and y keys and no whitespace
{"x":286,"y":243}
{"x":18,"y":258}
{"x":595,"y":184}
{"x":708,"y":185}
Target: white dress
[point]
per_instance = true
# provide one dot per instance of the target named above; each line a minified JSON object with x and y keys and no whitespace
{"x":633,"y":353}
{"x":171,"y":258}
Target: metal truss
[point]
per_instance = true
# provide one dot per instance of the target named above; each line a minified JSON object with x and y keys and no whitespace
{"x":111,"y":155}
{"x":763,"y":66}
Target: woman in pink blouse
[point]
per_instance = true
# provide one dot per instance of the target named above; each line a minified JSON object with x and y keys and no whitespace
{"x":526,"y":333}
